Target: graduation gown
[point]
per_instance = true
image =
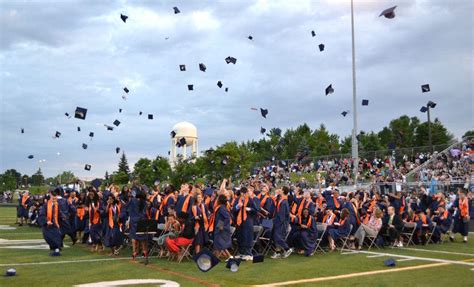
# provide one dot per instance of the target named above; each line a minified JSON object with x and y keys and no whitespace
{"x":201,"y":224}
{"x":113,"y":232}
{"x":24,"y":203}
{"x":221,"y":228}
{"x":244,"y":217}
{"x":305,"y":237}
{"x":95,"y":222}
{"x":51,"y":232}
{"x":135,"y":216}
{"x":280,"y":223}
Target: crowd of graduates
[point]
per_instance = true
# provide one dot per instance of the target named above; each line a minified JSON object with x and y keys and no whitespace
{"x":245,"y":219}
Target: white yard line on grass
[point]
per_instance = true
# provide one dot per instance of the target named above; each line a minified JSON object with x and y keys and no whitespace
{"x":62,"y":262}
{"x":418,"y":258}
{"x":405,"y":259}
{"x":375,"y":256}
{"x":440,"y":251}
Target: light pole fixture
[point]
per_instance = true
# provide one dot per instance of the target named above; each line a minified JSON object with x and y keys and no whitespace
{"x":426,"y":109}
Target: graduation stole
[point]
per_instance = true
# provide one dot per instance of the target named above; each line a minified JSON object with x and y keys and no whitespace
{"x":213,"y":219}
{"x":283,"y":197}
{"x":165,"y":202}
{"x":356,"y":213}
{"x":186,"y":204}
{"x":341,"y":222}
{"x":330,"y":220}
{"x":71,"y":200}
{"x":464,"y":207}
{"x":204,"y":216}
{"x":308,"y":224}
{"x":402,"y":208}
{"x":336,"y":202}
{"x":207,"y":201}
{"x":80,"y":212}
{"x":49,"y":213}
{"x":264,"y":200}
{"x":303,"y":204}
{"x":23,"y":201}
{"x":242,"y":216}
{"x":294,"y":206}
{"x":319,"y":201}
{"x":445,"y":214}
{"x":422,"y":218}
{"x":94,"y":215}
{"x":152,"y":198}
{"x":111,"y":214}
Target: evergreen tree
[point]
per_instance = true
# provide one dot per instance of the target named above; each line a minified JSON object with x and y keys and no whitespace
{"x":123,"y":165}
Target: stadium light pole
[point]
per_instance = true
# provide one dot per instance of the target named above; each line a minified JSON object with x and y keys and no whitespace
{"x":355,"y":144}
{"x":429,"y":105}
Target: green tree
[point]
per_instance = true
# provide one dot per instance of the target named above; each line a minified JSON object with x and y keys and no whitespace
{"x":123,"y":165}
{"x":143,"y":170}
{"x":469,"y":134}
{"x":401,"y":132}
{"x":161,"y":168}
{"x":439,"y":134}
{"x":37,"y":179}
{"x":66,"y":177}
{"x":7,"y":182}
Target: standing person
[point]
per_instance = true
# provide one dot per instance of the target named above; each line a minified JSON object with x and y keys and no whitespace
{"x":113,"y":237}
{"x":137,"y":212}
{"x":169,"y":200}
{"x":67,"y":209}
{"x":185,"y":199}
{"x":220,"y":227}
{"x":81,"y":217}
{"x":244,"y":211}
{"x":95,"y":222}
{"x":49,"y":221}
{"x":461,"y":215}
{"x":280,"y":224}
{"x":200,"y":216}
{"x":24,"y":203}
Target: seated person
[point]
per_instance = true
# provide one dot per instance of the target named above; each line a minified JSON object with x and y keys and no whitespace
{"x":423,"y":226}
{"x":371,"y":228}
{"x":185,"y":236}
{"x":392,"y":225}
{"x":341,"y":229}
{"x":443,"y":221}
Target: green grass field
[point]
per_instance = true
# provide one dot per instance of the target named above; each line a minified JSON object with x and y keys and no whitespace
{"x":82,"y":266}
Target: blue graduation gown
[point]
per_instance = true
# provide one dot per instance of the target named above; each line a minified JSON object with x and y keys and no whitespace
{"x":96,"y":230}
{"x":341,"y":230}
{"x":180,"y":203}
{"x":280,"y":223}
{"x":222,"y":238}
{"x":245,"y":230}
{"x":113,"y":236}
{"x":51,"y":233}
{"x":202,"y":237}
{"x":135,"y":216}
{"x":306,"y":237}
{"x":459,"y":225}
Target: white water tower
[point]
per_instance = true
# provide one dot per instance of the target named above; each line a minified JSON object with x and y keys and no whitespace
{"x":188,"y":131}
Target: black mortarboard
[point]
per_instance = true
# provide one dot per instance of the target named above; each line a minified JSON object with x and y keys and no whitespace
{"x":87,"y":167}
{"x":233,"y":264}
{"x":264,"y":112}
{"x":173,"y":134}
{"x":258,"y":258}
{"x":124,"y":18}
{"x":150,"y":116}
{"x":109,"y":128}
{"x":116,"y":123}
{"x":425,"y":88}
{"x":120,"y":110}
{"x":22,"y":130}
{"x":365,"y":102}
{"x":262,"y":130}
{"x":126,"y":90}
{"x":176,"y":10}
{"x":117,"y":150}
{"x":205,"y":260}
{"x":230,"y":59}
{"x":329,"y":90}
{"x":190,"y":87}
{"x":389,"y":262}
{"x":80,"y":113}
{"x":91,"y":134}
{"x":182,"y":68}
{"x":67,"y":115}
{"x":84,"y":146}
{"x":344,"y":113}
{"x":388,"y":13}
{"x":219,"y":84}
{"x":313,"y":33}
{"x":250,"y":37}
{"x":78,"y":129}
{"x":321,"y":47}
{"x":31,"y":156}
{"x":226,"y":89}
{"x":181,"y":142}
{"x":202,"y":67}
{"x":57,"y":134}
{"x":140,"y":113}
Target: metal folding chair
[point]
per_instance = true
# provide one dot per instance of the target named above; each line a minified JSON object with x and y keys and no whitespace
{"x":408,"y":232}
{"x":321,"y":228}
{"x":257,"y":233}
{"x":154,"y":241}
{"x":345,"y":240}
{"x":445,"y":236}
{"x":429,"y":235}
{"x":369,"y":241}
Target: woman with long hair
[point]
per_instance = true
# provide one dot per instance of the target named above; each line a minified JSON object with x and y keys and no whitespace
{"x":220,"y":227}
{"x":200,"y":215}
{"x":343,"y":228}
{"x":137,"y":212}
{"x":95,"y":209}
{"x":113,"y":237}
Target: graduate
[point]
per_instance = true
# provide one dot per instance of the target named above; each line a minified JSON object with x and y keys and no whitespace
{"x":185,"y":199}
{"x":113,"y":237}
{"x":332,"y":199}
{"x":281,"y":220}
{"x":244,"y":210}
{"x":305,"y":238}
{"x":72,"y":202}
{"x":169,"y":200}
{"x":155,"y":197}
{"x":423,"y":226}
{"x":341,"y":230}
{"x":461,"y":215}
{"x":81,"y":217}
{"x":267,"y":205}
{"x":219,"y":226}
{"x":49,"y":221}
{"x":136,"y":212}
{"x":24,"y":203}
{"x":200,"y":215}
{"x":67,"y":210}
{"x":443,"y":221}
{"x":95,"y":209}
{"x":354,"y":218}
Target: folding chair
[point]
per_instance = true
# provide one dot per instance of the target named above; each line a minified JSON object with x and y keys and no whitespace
{"x":429,"y":234}
{"x":257,"y":233}
{"x":345,"y":239}
{"x":369,"y":241}
{"x":408,"y":232}
{"x":185,"y":252}
{"x":444,"y":236}
{"x":321,"y":228}
{"x":154,"y":241}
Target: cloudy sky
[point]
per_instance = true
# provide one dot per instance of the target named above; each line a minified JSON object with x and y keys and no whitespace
{"x":57,"y":55}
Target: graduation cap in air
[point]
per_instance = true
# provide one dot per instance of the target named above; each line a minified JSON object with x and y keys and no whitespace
{"x":150,"y":116}
{"x":190,"y":87}
{"x":67,"y":115}
{"x":226,"y":89}
{"x":124,"y":18}
{"x":176,"y":10}
{"x":277,"y":131}
{"x":84,"y":146}
{"x":96,"y":183}
{"x":181,"y":142}
{"x":91,"y":134}
{"x":172,"y":134}
{"x":31,"y":156}
{"x":321,"y":47}
{"x":344,"y":113}
{"x":109,"y":128}
{"x":22,"y":130}
{"x":391,"y":145}
{"x":365,"y":102}
{"x":219,"y":84}
{"x":205,"y":260}
{"x":264,"y":112}
{"x":250,"y":37}
{"x":80,"y":113}
{"x":117,"y":150}
{"x":313,"y":33}
{"x":390,"y":262}
{"x":329,"y":90}
{"x":87,"y":167}
{"x":423,"y":109}
{"x":262,"y":130}
{"x":126,"y":90}
{"x":388,"y":13}
{"x":78,"y":129}
{"x":57,"y":134}
{"x":182,"y":68}
{"x":233,"y":264}
{"x":202,"y":67}
{"x":225,"y":161}
{"x":425,"y":88}
{"x":116,"y":123}
{"x":230,"y":59}
{"x":120,"y":110}
{"x":140,"y":113}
